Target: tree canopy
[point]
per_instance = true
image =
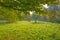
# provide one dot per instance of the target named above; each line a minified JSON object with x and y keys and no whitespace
{"x":12,"y":9}
{"x":24,"y":5}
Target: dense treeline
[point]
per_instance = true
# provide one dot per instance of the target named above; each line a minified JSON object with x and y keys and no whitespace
{"x":14,"y":10}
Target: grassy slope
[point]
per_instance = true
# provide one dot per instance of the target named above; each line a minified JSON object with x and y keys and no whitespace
{"x":29,"y":31}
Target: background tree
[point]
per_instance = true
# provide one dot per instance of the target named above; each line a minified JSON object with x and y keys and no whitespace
{"x":22,"y":6}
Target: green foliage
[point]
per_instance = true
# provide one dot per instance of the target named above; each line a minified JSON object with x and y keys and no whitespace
{"x":10,"y":6}
{"x":12,"y":15}
{"x":25,"y":4}
{"x":8,"y":14}
{"x":28,"y":31}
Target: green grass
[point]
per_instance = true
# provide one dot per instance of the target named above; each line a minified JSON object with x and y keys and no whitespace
{"x":28,"y":31}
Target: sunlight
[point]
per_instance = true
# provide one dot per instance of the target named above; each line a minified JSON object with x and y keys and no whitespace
{"x":31,"y":12}
{"x":15,"y":0}
{"x":45,"y":6}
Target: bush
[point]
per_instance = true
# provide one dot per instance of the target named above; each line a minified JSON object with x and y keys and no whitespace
{"x":9,"y":14}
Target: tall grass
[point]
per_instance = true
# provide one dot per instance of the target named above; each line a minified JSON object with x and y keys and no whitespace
{"x":29,"y":31}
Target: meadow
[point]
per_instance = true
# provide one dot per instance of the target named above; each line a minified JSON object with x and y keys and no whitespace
{"x":29,"y":31}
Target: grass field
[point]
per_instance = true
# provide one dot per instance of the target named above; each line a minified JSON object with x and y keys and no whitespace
{"x":28,"y":31}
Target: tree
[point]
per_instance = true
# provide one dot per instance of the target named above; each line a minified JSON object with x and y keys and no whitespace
{"x":22,"y":6}
{"x":8,"y":14}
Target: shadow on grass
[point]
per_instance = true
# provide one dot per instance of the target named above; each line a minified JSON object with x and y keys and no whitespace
{"x":4,"y":23}
{"x":55,"y":21}
{"x":42,"y":22}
